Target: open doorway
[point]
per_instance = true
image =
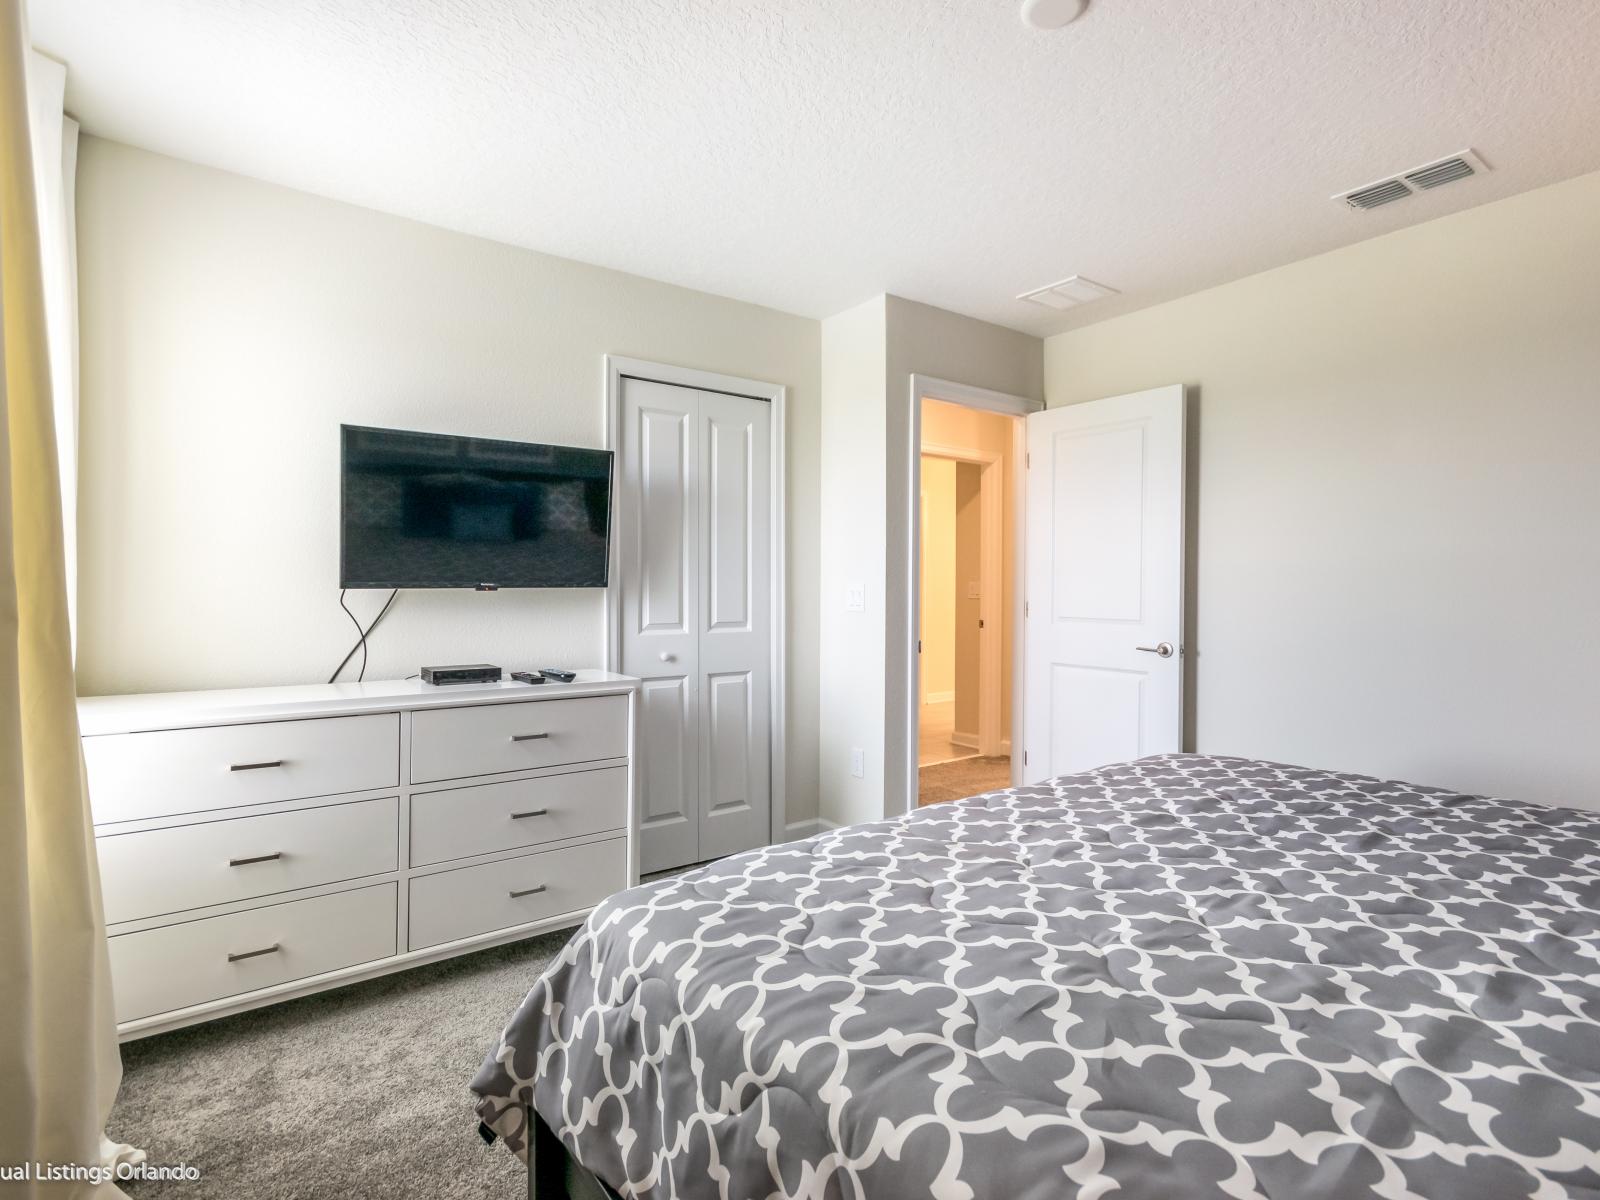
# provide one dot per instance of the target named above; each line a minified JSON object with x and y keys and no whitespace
{"x":967,"y":591}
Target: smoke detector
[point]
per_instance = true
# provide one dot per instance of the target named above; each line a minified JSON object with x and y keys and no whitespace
{"x":1418,"y":179}
{"x":1068,"y":293}
{"x":1052,"y":14}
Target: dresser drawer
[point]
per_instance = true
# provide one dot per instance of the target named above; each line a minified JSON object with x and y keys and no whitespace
{"x":159,"y":871}
{"x":135,"y":775}
{"x":508,"y":816}
{"x":175,"y":966}
{"x":455,"y":743}
{"x":473,"y":900}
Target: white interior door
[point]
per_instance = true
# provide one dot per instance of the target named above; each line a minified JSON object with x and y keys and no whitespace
{"x":658,"y":527}
{"x":693,"y":509}
{"x":1103,"y":662}
{"x":735,"y":623}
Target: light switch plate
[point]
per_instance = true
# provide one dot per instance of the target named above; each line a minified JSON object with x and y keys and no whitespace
{"x":858,"y":762}
{"x":855,"y":597}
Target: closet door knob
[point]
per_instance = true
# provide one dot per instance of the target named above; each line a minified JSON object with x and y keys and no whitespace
{"x":1162,"y":649}
{"x":665,"y":657}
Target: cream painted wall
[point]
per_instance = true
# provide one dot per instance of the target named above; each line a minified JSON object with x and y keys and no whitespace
{"x":869,"y":354}
{"x":229,"y":326}
{"x":939,"y":583}
{"x":1396,"y":485}
{"x":923,"y":340}
{"x":851,"y":647}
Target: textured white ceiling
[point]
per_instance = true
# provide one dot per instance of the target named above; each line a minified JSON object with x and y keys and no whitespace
{"x":806,"y":154}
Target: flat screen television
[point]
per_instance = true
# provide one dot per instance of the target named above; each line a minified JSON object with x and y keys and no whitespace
{"x":423,"y":510}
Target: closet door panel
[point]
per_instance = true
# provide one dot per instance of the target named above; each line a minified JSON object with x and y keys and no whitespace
{"x":735,"y":623}
{"x":660,"y":550}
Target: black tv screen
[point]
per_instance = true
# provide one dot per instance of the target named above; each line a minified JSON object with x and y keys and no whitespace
{"x":422,"y":510}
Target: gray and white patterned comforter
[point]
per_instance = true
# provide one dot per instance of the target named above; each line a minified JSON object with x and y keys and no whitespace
{"x":1178,"y":978}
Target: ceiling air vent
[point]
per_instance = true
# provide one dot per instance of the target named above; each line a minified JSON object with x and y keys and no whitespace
{"x":1377,"y":194}
{"x":1068,"y":293}
{"x":1446,"y":170}
{"x":1418,"y":179}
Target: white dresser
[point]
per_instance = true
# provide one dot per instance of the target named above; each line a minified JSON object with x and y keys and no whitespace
{"x":261,"y":844}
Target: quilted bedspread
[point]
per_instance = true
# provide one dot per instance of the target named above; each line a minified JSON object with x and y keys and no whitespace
{"x":1173,"y":979}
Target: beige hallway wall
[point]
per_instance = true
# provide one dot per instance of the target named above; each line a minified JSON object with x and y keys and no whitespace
{"x":969,"y":544}
{"x":938,"y":579}
{"x":988,"y":433}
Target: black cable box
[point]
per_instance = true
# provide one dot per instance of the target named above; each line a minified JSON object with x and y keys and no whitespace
{"x":475,"y":673}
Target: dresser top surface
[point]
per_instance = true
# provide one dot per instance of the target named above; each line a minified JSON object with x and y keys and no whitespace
{"x":183,"y":710}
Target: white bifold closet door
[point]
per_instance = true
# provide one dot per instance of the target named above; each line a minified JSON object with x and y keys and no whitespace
{"x":694,"y":505}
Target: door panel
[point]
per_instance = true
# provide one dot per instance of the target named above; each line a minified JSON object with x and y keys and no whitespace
{"x":1099,"y":495}
{"x":667,"y":810}
{"x":1098,"y":714}
{"x":728,"y":522}
{"x":693,"y":519}
{"x":736,"y":624}
{"x":728,"y":738}
{"x":1104,"y":583}
{"x":657,"y":524}
{"x":666,"y":528}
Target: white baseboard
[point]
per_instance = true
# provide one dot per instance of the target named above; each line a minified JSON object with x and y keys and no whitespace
{"x":810,"y":828}
{"x":939,"y":698}
{"x":967,"y":741}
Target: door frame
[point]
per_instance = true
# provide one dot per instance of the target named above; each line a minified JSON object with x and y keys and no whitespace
{"x":932,"y":388}
{"x":619,"y":368}
{"x":991,"y":558}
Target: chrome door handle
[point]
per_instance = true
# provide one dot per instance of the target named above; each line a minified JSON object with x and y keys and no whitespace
{"x":1164,"y":649}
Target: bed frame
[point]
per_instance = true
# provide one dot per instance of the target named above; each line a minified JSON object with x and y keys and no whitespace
{"x":553,"y":1174}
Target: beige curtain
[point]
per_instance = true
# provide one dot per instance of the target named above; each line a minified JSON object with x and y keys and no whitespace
{"x":59,"y":1068}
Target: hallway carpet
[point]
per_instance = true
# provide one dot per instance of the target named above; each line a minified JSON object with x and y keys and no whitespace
{"x":962,"y":778}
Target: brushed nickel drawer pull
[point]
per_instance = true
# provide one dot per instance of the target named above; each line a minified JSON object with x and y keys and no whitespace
{"x":272,"y":949}
{"x":529,"y":737}
{"x":277,"y":762}
{"x":533,"y":891}
{"x":532,"y":812}
{"x":245,"y":862}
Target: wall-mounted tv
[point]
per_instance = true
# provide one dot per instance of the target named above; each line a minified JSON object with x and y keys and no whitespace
{"x":423,"y":510}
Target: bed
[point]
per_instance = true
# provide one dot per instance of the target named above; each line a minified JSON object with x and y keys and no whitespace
{"x":1177,"y":978}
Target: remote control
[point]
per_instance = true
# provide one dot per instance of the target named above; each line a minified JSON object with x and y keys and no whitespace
{"x":558,"y":675}
{"x":527,"y":676}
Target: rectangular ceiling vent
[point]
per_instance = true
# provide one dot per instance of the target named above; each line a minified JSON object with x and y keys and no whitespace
{"x":1418,"y":179}
{"x":1068,"y":293}
{"x":1446,"y":170}
{"x":1376,"y":195}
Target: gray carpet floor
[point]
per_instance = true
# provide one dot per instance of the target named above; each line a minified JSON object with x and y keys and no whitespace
{"x":353,"y":1094}
{"x":962,"y":778}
